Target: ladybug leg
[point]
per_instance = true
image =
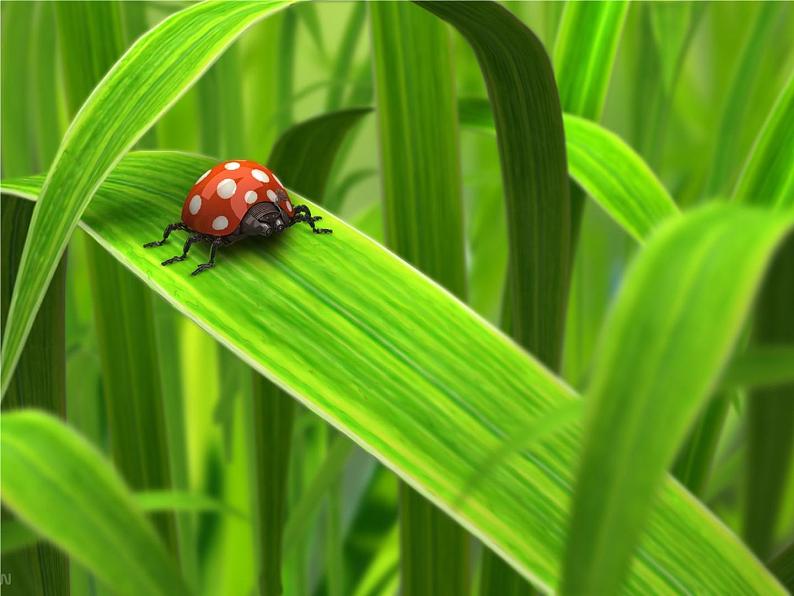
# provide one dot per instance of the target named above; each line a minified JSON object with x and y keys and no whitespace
{"x":303,"y":214}
{"x":185,"y":249}
{"x":169,"y":228}
{"x":211,"y":263}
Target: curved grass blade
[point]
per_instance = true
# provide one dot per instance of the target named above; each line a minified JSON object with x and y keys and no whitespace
{"x":420,"y":167}
{"x":529,"y":133}
{"x":605,"y":166}
{"x":410,"y":392}
{"x":304,"y":155}
{"x":149,"y":78}
{"x":684,"y":300}
{"x":768,"y":176}
{"x":63,"y":488}
{"x":617,"y":178}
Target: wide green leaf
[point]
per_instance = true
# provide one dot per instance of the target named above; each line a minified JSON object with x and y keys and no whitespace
{"x":684,"y":300}
{"x":605,"y":166}
{"x":150,"y":77}
{"x":64,"y":489}
{"x":427,"y":386}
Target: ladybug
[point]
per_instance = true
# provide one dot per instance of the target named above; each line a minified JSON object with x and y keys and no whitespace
{"x":231,"y":201}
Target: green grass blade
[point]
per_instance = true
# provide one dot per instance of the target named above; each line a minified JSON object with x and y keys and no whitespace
{"x":672,"y":27}
{"x":144,"y":83}
{"x":763,"y":182}
{"x":344,"y":58}
{"x":16,"y":118}
{"x":529,"y":132}
{"x":174,"y":500}
{"x":409,"y":393}
{"x":768,"y":176}
{"x":770,"y":413}
{"x":415,"y":94}
{"x":738,"y":100}
{"x":62,"y":487}
{"x":605,"y":166}
{"x":91,"y":40}
{"x":304,"y":155}
{"x":768,"y":180}
{"x":302,"y":514}
{"x":584,"y":53}
{"x":421,"y":174}
{"x":40,"y":379}
{"x":272,"y":416}
{"x":761,"y":366}
{"x":783,"y":566}
{"x":617,"y":178}
{"x":695,"y":459}
{"x":687,"y":296}
{"x":17,"y":535}
{"x":383,"y":568}
{"x":44,"y":100}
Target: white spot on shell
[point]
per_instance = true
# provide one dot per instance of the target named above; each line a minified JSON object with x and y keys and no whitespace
{"x":288,"y":205}
{"x":260,"y":175}
{"x":204,"y":175}
{"x":195,"y":205}
{"x":220,"y":223}
{"x":226,"y":188}
{"x":232,"y":165}
{"x":250,"y":197}
{"x":272,"y":195}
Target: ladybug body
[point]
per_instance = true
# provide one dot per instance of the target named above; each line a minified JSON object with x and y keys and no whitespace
{"x":231,"y":201}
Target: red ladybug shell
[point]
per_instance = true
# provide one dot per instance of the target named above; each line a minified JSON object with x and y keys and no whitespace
{"x":223,"y":195}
